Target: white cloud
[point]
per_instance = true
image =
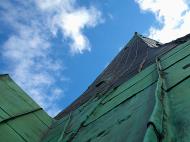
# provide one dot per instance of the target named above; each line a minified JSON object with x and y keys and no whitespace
{"x":57,"y":91}
{"x":31,"y":67}
{"x":173,"y":15}
{"x":28,"y":48}
{"x":71,"y":20}
{"x":72,"y":25}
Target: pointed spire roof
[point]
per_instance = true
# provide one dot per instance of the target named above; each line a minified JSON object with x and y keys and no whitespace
{"x":139,"y":53}
{"x":150,"y":42}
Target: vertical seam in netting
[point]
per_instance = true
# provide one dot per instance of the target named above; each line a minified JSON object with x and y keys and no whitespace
{"x":65,"y":127}
{"x":162,"y":99}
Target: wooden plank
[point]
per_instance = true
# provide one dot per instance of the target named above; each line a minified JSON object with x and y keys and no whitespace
{"x":44,"y":117}
{"x":128,"y":119}
{"x":29,"y":127}
{"x":179,"y":104}
{"x":12,"y":103}
{"x":176,"y":73}
{"x":130,"y":83}
{"x":3,"y":115}
{"x":141,"y":85}
{"x":175,"y":50}
{"x":182,"y":52}
{"x":7,"y":134}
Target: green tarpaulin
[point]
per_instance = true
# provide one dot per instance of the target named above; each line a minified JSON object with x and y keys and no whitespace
{"x":152,"y":106}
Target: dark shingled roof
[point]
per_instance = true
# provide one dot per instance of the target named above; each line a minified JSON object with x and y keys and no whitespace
{"x":139,"y":53}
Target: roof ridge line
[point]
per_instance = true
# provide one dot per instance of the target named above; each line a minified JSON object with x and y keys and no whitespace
{"x":147,"y":42}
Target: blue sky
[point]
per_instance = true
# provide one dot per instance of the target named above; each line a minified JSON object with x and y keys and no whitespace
{"x":55,"y":49}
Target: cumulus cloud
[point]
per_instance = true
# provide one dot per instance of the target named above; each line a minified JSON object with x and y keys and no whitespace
{"x":28,"y":49}
{"x":172,"y":15}
{"x":66,"y":16}
{"x":27,"y":54}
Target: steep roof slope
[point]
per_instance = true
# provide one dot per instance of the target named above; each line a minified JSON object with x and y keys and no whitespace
{"x":139,"y":53}
{"x":151,"y":106}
